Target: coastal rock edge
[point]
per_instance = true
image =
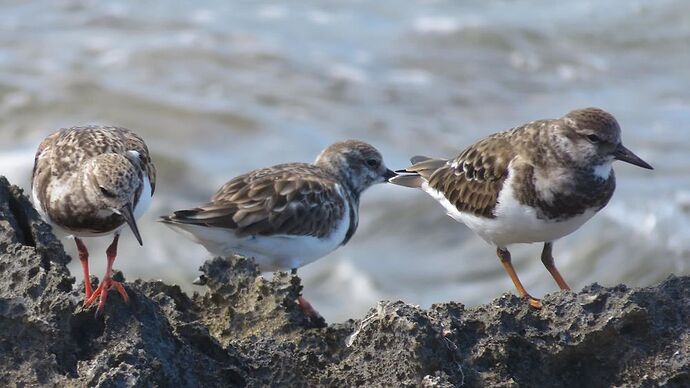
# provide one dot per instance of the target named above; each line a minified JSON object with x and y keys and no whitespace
{"x":248,"y":331}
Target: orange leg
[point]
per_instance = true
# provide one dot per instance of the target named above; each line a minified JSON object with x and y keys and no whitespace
{"x":84,"y":258}
{"x":547,"y":259}
{"x":108,"y":282}
{"x":504,"y":255}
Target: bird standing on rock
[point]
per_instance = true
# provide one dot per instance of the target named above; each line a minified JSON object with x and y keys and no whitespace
{"x":534,"y":183}
{"x":91,"y":181}
{"x":288,"y":215}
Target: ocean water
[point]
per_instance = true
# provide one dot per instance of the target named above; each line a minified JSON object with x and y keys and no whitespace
{"x":217,"y":88}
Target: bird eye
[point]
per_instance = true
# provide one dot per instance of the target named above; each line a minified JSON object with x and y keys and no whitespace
{"x":372,"y":163}
{"x":593,"y":138}
{"x":107,"y":193}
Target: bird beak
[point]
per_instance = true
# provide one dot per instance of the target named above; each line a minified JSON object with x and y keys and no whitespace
{"x":389,"y":174}
{"x":128,"y":214}
{"x":624,"y":154}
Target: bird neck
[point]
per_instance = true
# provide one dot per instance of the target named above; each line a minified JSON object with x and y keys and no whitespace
{"x":344,"y":175}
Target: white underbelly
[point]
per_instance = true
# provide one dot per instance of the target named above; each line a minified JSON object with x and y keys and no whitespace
{"x":514,"y":223}
{"x":278,"y":252}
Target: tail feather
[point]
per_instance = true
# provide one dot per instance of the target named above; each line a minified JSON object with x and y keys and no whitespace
{"x":421,"y":169}
{"x":410,"y":180}
{"x":427,"y":167}
{"x":166,"y":220}
{"x":418,"y":159}
{"x":219,"y":216}
{"x":181,"y":217}
{"x":206,"y":213}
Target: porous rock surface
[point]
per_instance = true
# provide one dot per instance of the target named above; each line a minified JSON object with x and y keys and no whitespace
{"x":248,"y":331}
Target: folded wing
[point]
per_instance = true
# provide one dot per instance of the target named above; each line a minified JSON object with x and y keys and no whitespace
{"x":270,"y":202}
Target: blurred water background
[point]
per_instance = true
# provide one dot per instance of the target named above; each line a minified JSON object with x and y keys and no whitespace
{"x":217,"y":88}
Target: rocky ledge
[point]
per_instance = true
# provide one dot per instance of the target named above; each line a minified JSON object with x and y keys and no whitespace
{"x":248,"y":331}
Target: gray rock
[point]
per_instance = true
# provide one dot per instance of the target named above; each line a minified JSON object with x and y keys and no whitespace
{"x":248,"y":331}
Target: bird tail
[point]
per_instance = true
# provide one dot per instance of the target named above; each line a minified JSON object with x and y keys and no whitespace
{"x":419,"y":172}
{"x":181,"y":217}
{"x":207,"y":215}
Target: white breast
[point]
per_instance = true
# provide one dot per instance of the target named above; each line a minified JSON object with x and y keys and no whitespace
{"x":603,"y":170}
{"x":514,"y":222}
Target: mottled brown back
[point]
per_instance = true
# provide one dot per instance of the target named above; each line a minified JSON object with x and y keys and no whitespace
{"x":473,"y":180}
{"x":289,"y":199}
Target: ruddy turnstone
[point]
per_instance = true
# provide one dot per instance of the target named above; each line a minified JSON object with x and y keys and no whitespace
{"x":91,"y":181}
{"x":534,"y":183}
{"x":288,"y":215}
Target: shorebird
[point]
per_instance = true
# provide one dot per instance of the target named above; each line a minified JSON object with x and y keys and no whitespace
{"x":91,"y":181}
{"x":288,"y":215}
{"x":534,"y":183}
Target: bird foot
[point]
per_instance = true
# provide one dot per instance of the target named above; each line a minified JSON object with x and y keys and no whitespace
{"x":102,"y":292}
{"x":533,"y":302}
{"x":310,"y":312}
{"x":307,"y":308}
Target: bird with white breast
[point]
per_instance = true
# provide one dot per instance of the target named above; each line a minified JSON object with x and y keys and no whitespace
{"x":92,"y":181}
{"x":534,"y":183}
{"x":288,"y":215}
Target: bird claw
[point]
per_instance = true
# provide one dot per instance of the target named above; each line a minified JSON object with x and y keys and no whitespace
{"x":312,"y":315}
{"x":307,"y":308}
{"x":533,"y":302}
{"x":102,"y":292}
{"x":121,"y":290}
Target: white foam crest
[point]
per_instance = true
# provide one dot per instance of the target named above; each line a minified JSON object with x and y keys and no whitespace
{"x":348,"y":73}
{"x":436,"y":24}
{"x":272,"y":12}
{"x":346,"y":276}
{"x":412,"y":77}
{"x":664,"y":223}
{"x":338,"y":289}
{"x":15,"y":100}
{"x":16,"y":165}
{"x":320,"y":17}
{"x":444,"y":25}
{"x":203,"y":16}
{"x":525,"y":60}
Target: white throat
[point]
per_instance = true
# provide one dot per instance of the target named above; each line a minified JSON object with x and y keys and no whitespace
{"x":603,"y":170}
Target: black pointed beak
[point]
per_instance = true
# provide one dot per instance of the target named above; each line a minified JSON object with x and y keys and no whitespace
{"x":389,"y":174}
{"x":128,"y":213}
{"x":624,"y":154}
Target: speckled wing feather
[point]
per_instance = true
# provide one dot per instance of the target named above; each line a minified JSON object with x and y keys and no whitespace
{"x":473,"y":180}
{"x":40,"y":171}
{"x":289,"y":199}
